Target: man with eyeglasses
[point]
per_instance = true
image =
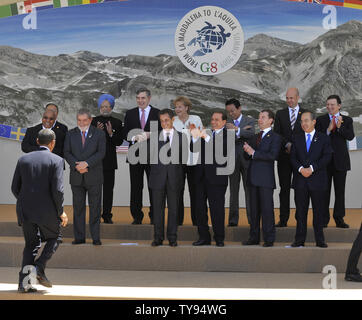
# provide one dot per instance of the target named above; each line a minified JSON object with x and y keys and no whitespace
{"x":29,"y":143}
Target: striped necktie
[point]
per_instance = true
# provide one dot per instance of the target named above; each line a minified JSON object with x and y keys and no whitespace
{"x":83,"y":138}
{"x":292,"y":119}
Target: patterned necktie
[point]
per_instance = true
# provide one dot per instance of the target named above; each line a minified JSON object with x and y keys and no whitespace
{"x":143,"y":119}
{"x":236,"y":123}
{"x":168,"y":141}
{"x":83,"y":138}
{"x":292,"y":119}
{"x":258,"y":139}
{"x":309,"y":141}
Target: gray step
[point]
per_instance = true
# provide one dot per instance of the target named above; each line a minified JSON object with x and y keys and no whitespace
{"x":231,"y":258}
{"x":189,"y":233}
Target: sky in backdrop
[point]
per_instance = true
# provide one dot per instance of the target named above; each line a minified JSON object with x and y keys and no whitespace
{"x":147,"y":27}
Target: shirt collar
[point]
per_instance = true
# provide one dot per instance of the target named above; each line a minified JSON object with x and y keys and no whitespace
{"x":266,"y":130}
{"x":44,"y":147}
{"x":218,"y":130}
{"x":311,"y":134}
{"x":296,"y":109}
{"x":239,"y":119}
{"x":336,"y":115}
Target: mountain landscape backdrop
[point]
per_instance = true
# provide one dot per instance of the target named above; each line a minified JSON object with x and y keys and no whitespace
{"x":331,"y":64}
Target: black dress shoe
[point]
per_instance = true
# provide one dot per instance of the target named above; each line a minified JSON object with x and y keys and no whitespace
{"x":137,"y":222}
{"x":156,"y":243}
{"x":173,"y":243}
{"x":250,"y":243}
{"x":297,"y":244}
{"x":97,"y":242}
{"x":322,"y":245}
{"x":78,"y":241}
{"x":353,"y":277}
{"x":232,"y":224}
{"x":281,"y":225}
{"x":201,"y":243}
{"x":268,"y":244}
{"x":220,"y":243}
{"x":108,"y":220}
{"x":43,"y":280}
{"x":342,"y":225}
{"x":28,"y":289}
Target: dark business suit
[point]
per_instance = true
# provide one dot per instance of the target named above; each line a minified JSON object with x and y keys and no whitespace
{"x":132,"y":121}
{"x":29,"y":142}
{"x":355,"y":254}
{"x":282,"y":126}
{"x":241,"y":168}
{"x":261,"y":185}
{"x":90,"y":182}
{"x":338,"y":167}
{"x":210,"y":187}
{"x":165,"y":181}
{"x":109,"y":161}
{"x":38,"y":187}
{"x":313,"y":187}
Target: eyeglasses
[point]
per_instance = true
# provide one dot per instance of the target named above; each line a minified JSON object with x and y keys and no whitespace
{"x":47,"y":118}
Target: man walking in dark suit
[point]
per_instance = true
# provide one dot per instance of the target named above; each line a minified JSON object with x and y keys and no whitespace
{"x":340,"y":130}
{"x":38,"y":187}
{"x":166,"y":178}
{"x":29,"y":143}
{"x":112,"y":128}
{"x":139,"y":118}
{"x":311,"y":153}
{"x":84,"y":150}
{"x":244,"y":129}
{"x":352,"y":272}
{"x":287,"y":124}
{"x":210,"y":186}
{"x":264,"y":150}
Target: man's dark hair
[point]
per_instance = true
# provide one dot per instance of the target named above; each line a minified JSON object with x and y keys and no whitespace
{"x":312,"y":114}
{"x":84,"y":111}
{"x":166,"y":111}
{"x":223,"y":114}
{"x":233,"y":101}
{"x":148,"y":92}
{"x":52,"y":104}
{"x":335,"y":96}
{"x":270,"y":113}
{"x":45,"y":136}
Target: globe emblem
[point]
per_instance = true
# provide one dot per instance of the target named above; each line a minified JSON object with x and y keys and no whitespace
{"x":209,"y":39}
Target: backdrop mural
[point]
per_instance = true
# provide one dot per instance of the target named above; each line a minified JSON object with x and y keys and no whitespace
{"x":77,"y":52}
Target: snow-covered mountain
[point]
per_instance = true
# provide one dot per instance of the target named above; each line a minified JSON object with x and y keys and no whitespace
{"x":331,"y":64}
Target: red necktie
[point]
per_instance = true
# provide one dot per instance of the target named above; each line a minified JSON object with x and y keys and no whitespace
{"x":258,"y":139}
{"x":83,"y":138}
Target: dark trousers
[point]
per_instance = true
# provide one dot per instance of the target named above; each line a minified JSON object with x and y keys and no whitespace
{"x":34,"y":235}
{"x":215,"y":194}
{"x":108,"y":186}
{"x":302,"y":197}
{"x":262,"y":206}
{"x":339,"y":183}
{"x":79,"y":210}
{"x":241,"y":169}
{"x":159,"y":202}
{"x":136,"y":172}
{"x":285,"y":172}
{"x":355,"y":254}
{"x":187,"y":174}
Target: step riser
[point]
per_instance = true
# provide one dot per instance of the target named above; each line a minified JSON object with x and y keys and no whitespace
{"x":189,"y":233}
{"x":187,"y":258}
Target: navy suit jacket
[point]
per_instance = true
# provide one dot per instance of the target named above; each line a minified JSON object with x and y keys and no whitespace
{"x":319,"y":156}
{"x":261,"y":168}
{"x":38,"y":187}
{"x":93,"y":153}
{"x":339,"y":137}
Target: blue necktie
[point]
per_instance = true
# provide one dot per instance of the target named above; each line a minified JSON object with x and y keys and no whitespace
{"x":236,"y":123}
{"x":309,"y":141}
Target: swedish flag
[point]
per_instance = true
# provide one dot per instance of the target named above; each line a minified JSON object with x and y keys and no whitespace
{"x":17,"y":133}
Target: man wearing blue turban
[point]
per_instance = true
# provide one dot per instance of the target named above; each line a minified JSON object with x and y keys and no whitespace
{"x":113,"y":130}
